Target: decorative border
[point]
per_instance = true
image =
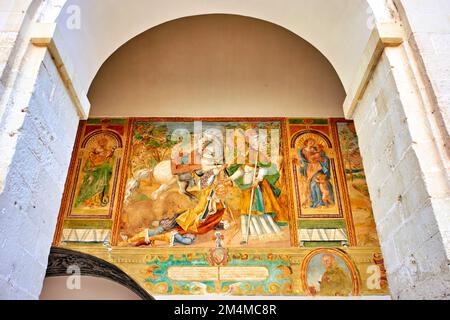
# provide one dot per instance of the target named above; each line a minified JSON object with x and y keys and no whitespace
{"x":134,"y":260}
{"x":288,"y":177}
{"x":123,"y":182}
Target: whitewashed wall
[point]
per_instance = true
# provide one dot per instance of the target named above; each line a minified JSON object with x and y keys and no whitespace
{"x":402,"y":124}
{"x":429,"y":31}
{"x":397,"y":153}
{"x":429,"y":36}
{"x":37,"y":130}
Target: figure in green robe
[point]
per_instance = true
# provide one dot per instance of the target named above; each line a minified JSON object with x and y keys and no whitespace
{"x":94,"y":190}
{"x":266,"y":215}
{"x":266,"y":192}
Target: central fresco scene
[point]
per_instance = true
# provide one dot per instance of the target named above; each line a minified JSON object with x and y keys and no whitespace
{"x":181,"y":191}
{"x":225,"y":206}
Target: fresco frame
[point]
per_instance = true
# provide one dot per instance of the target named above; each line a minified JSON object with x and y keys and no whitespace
{"x":340,"y":179}
{"x":133,"y":260}
{"x":70,"y":187}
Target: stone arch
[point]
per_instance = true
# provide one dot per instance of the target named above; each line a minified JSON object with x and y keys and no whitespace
{"x":108,"y":133}
{"x":343,"y":21}
{"x":315,"y":132}
{"x":61,"y":259}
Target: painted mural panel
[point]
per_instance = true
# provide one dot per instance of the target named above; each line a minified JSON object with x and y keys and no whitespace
{"x":314,"y":171}
{"x":225,"y":206}
{"x":235,"y":187}
{"x":358,"y":193}
{"x":91,"y":198}
{"x":93,"y":194}
{"x":324,"y":217}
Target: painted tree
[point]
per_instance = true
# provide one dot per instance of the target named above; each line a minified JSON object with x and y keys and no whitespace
{"x":154,"y":140}
{"x":349,"y":148}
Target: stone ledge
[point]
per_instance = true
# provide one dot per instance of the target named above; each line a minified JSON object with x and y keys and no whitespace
{"x":47,"y":35}
{"x":384,"y":35}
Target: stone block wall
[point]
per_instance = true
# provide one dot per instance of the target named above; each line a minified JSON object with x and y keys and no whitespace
{"x":406,"y":180}
{"x":38,"y":123}
{"x":12,"y":14}
{"x":429,"y":31}
{"x":428,"y":34}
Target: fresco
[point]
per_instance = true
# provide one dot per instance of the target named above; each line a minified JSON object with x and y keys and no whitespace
{"x":91,"y":198}
{"x":242,"y":276}
{"x":94,"y":191}
{"x":225,"y":206}
{"x":324,"y":217}
{"x":171,"y":200}
{"x":314,"y":175}
{"x":365,"y":228}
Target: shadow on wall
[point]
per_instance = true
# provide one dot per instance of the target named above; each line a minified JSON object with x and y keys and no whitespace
{"x":91,"y":288}
{"x":72,"y":275}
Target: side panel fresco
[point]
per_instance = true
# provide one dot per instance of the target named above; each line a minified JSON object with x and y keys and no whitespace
{"x":356,"y":186}
{"x":91,"y":200}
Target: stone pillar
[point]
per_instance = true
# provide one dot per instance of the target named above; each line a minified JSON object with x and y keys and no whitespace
{"x":428,"y":33}
{"x":404,"y":145}
{"x":38,"y":123}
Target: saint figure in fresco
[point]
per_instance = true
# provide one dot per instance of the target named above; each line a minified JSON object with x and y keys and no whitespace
{"x":94,"y":190}
{"x":334,"y":281}
{"x":316,"y":187}
{"x":259,"y":178}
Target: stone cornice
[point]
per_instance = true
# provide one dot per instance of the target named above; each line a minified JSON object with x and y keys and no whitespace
{"x":383,"y":35}
{"x":47,"y":35}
